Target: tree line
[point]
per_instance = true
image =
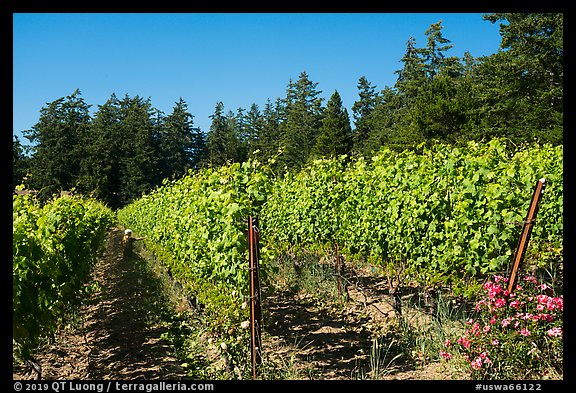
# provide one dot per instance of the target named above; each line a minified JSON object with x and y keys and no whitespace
{"x":128,"y":147}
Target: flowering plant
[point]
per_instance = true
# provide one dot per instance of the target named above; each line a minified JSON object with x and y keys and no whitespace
{"x":514,"y":335}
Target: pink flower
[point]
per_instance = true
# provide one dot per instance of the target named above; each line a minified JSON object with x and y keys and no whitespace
{"x":499,"y":303}
{"x":485,"y":358}
{"x":492,"y":321}
{"x":495,"y":342}
{"x":476,"y":364}
{"x":464,"y":342}
{"x":506,"y":321}
{"x":527,"y":316}
{"x":486,"y":329}
{"x":446,"y":355}
{"x":546,"y":317}
{"x":515,"y":303}
{"x":555,"y":332}
{"x":498,"y":278}
{"x":542,"y":299}
{"x":447,"y":343}
{"x":479,"y":304}
{"x":494,"y":291}
{"x":559,"y":302}
{"x":525,"y":332}
{"x":531,"y":279}
{"x":476,"y":329}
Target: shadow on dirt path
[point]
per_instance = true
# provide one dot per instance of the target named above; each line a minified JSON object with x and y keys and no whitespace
{"x":119,"y":336}
{"x":330,"y":346}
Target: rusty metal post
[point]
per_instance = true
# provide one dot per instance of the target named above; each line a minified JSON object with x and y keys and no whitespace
{"x":526,"y":231}
{"x":255,"y":308}
{"x":338,"y":270}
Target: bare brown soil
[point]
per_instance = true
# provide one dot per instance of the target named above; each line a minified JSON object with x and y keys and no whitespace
{"x":323,"y":341}
{"x":118,"y":334}
{"x":116,"y":337}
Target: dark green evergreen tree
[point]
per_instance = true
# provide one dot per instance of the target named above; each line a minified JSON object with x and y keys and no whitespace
{"x":236,"y":125}
{"x":100,"y":169}
{"x":412,"y":74}
{"x":273,"y":116}
{"x":521,"y":86}
{"x":303,"y":119}
{"x":181,"y":145}
{"x":20,"y":162}
{"x":222,"y":143}
{"x":387,"y":125}
{"x":57,"y":144}
{"x":428,"y":87}
{"x":434,"y":53}
{"x":254,"y":130}
{"x":139,"y":155}
{"x":335,"y":135}
{"x":361,"y":113}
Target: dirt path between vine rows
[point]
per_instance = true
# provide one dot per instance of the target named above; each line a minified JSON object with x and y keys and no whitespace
{"x":328,"y":342}
{"x":118,"y":335}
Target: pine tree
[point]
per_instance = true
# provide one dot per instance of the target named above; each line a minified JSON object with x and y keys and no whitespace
{"x":254,"y":130}
{"x":236,"y":126}
{"x":139,"y":159}
{"x":335,"y":136}
{"x":57,"y":144}
{"x":20,"y":162}
{"x":100,"y":169}
{"x":303,"y":119}
{"x":361,"y":112}
{"x":387,"y":124}
{"x":180,"y":144}
{"x":222,"y":143}
{"x":522,"y":85}
{"x":412,"y":74}
{"x":437,"y":45}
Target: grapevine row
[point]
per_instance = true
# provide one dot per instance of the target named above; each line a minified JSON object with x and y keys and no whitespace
{"x":54,"y":249}
{"x":442,"y":214}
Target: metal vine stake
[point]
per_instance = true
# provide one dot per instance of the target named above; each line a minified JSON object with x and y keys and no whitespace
{"x":527,"y":226}
{"x":255,"y":308}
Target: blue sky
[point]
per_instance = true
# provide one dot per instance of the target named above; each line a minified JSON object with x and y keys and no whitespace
{"x":236,"y":58}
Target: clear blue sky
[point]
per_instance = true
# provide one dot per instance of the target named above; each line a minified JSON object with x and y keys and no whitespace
{"x":239,"y":59}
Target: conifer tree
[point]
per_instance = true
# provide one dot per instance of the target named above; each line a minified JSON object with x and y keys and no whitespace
{"x":522,"y":85}
{"x":20,"y":162}
{"x":139,"y":157}
{"x":222,"y":143}
{"x":335,"y":135}
{"x":254,"y":130}
{"x":180,"y":144}
{"x":57,"y":144}
{"x":303,"y":119}
{"x":361,"y":112}
{"x":100,"y":169}
{"x":273,"y":116}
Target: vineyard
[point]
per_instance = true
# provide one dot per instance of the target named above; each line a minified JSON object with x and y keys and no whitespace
{"x":54,"y":249}
{"x":440,"y":221}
